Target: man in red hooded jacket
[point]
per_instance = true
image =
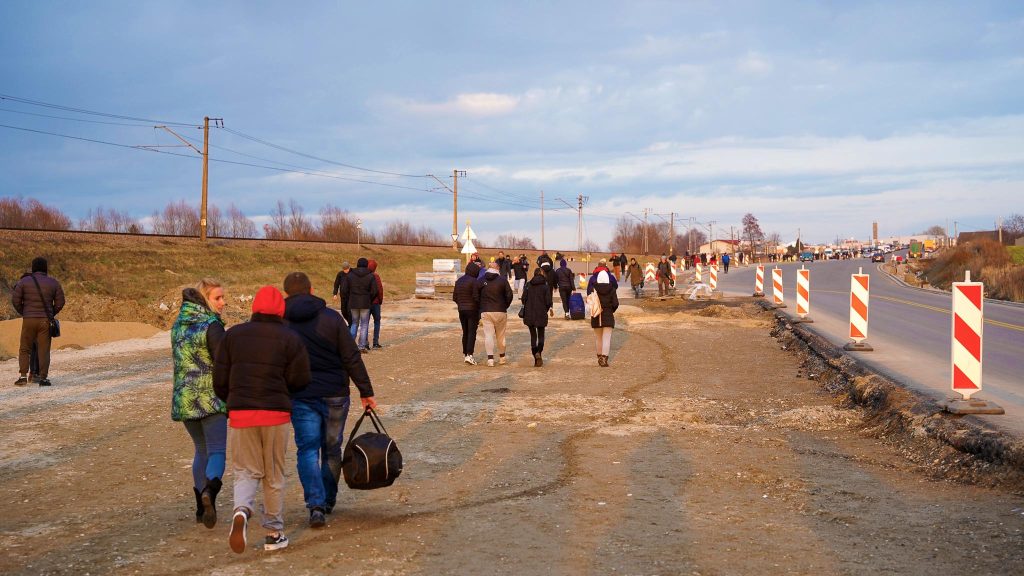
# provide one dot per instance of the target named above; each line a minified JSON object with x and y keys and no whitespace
{"x":375,"y":305}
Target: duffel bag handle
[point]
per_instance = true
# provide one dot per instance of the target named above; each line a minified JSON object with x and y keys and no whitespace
{"x":374,"y":419}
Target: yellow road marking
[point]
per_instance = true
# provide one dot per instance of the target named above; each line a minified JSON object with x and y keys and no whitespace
{"x":945,"y":311}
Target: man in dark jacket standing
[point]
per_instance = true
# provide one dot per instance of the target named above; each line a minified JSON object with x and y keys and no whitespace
{"x":37,"y":297}
{"x":504,"y":265}
{"x":259,"y":364}
{"x":376,"y":304}
{"x":361,"y":289}
{"x":319,"y":412}
{"x":465,"y":297}
{"x":340,"y":288}
{"x":566,"y":285}
{"x":494,"y":296}
{"x":664,"y":275}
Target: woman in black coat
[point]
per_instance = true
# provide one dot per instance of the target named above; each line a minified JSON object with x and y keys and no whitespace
{"x":604,"y":322}
{"x":537,"y":306}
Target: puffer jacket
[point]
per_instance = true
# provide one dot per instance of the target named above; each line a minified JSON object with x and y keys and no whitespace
{"x":333,"y":354}
{"x":361,"y":289}
{"x":195,"y":336}
{"x":609,"y":304}
{"x":259,"y":365}
{"x":564,"y":277}
{"x":25,"y":297}
{"x":493,"y":293}
{"x":537,"y":301}
{"x":464,"y":293}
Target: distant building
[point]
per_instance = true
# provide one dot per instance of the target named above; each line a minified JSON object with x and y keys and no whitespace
{"x":1009,"y":238}
{"x":720,"y":247}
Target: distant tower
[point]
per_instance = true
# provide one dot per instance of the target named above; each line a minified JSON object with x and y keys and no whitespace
{"x":874,"y":233}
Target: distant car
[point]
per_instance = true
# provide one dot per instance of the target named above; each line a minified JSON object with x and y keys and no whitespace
{"x":878,"y":257}
{"x":807,"y":256}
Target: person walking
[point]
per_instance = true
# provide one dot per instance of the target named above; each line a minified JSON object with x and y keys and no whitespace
{"x":504,"y":265}
{"x":537,"y":306}
{"x":636,"y":277}
{"x":545,"y":263}
{"x":340,"y":289}
{"x":566,"y":281}
{"x":465,"y":296}
{"x":602,"y":266}
{"x":725,"y":262}
{"x":259,"y":364}
{"x":197,"y":332}
{"x":623,"y":263}
{"x":519,"y":269}
{"x":361,"y":290}
{"x":604,"y":321}
{"x":376,"y":303}
{"x":494,"y":296}
{"x":38,"y":298}
{"x":320,"y":410}
{"x":664,"y":275}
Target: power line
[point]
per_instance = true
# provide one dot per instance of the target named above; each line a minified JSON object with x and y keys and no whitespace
{"x":39,"y":103}
{"x":73,"y":119}
{"x":97,"y":141}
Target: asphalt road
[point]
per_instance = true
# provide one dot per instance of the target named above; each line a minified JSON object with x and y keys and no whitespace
{"x":910,"y":330}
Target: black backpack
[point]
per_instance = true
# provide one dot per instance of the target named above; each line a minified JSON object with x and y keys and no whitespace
{"x":371,"y":460}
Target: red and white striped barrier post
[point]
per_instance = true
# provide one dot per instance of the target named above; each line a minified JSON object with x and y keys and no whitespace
{"x":968,"y":326}
{"x":713,"y":276}
{"x":803,"y":295}
{"x":860,"y":294}
{"x":778,"y":298}
{"x":759,"y":281}
{"x":699,"y":274}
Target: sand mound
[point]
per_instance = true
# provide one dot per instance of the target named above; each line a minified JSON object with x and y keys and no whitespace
{"x":75,"y":335}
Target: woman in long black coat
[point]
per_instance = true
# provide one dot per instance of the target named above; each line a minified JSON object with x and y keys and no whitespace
{"x":537,"y":307}
{"x":604,"y":322}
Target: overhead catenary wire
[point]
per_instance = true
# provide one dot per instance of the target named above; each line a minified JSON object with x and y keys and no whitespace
{"x":31,"y":102}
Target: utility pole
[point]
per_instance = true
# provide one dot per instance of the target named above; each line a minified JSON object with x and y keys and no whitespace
{"x":646,"y":249}
{"x":542,"y":221}
{"x":205,"y":153}
{"x":455,"y":203}
{"x":711,"y":236}
{"x":579,"y":222}
{"x":671,"y":232}
{"x":956,"y":230}
{"x":999,"y":226}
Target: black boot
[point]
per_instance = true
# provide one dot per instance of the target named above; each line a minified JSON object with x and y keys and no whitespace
{"x":209,"y":496}
{"x":537,"y":362}
{"x":199,"y":504}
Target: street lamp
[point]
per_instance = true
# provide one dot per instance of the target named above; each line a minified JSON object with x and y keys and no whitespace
{"x":359,"y":232}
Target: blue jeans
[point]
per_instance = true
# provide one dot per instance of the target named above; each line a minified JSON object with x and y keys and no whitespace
{"x":360,"y":324}
{"x":210,"y":437}
{"x":375,"y":314}
{"x":319,"y":425}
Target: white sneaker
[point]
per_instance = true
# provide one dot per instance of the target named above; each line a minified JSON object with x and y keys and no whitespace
{"x":490,"y":362}
{"x":566,"y":315}
{"x":237,"y":539}
{"x":502,"y":360}
{"x":470,"y":360}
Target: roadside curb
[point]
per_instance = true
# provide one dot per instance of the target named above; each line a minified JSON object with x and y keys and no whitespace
{"x":900,"y":281}
{"x":895,"y":410}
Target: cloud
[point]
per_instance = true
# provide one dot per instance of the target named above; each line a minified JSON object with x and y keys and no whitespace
{"x":473,"y":103}
{"x":755,"y":64}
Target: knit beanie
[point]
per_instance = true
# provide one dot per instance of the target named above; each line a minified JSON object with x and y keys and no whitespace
{"x":362,"y":263}
{"x":268,"y":300}
{"x":602,"y":277}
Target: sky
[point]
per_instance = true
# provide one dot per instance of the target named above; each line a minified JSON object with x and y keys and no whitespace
{"x":817,"y":117}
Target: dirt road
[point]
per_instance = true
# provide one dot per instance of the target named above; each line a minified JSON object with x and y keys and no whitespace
{"x":702,"y":450}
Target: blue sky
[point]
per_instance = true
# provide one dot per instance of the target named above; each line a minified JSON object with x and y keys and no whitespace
{"x":823,"y":116}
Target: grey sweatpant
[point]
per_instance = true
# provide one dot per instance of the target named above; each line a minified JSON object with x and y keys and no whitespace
{"x":257,"y":456}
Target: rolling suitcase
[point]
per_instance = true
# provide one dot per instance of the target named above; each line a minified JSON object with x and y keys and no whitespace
{"x":577,"y":311}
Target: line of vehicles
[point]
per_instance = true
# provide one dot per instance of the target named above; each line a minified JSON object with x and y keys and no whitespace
{"x":917,"y":249}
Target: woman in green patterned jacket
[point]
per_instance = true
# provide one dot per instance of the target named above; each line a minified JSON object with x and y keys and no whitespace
{"x":195,"y":336}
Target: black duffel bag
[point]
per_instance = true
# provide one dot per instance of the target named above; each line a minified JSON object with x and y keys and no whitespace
{"x":371,"y":460}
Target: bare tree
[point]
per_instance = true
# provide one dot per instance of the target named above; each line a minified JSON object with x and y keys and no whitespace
{"x":339,"y":225}
{"x":935,"y":230}
{"x":31,"y":214}
{"x":290,"y":223}
{"x":591,"y":246}
{"x":109,"y":220}
{"x":1014,"y":224}
{"x":402,"y":232}
{"x":177,"y":219}
{"x":752,"y":231}
{"x":238,"y":225}
{"x":513,"y":242}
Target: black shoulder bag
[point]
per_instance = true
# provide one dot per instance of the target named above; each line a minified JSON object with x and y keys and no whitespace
{"x":371,"y":460}
{"x":54,"y":323}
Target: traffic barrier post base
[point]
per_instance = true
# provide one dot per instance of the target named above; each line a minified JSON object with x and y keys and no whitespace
{"x":758,"y":294}
{"x":971,"y":406}
{"x":858,"y":347}
{"x":777,"y":306}
{"x":804,"y":320}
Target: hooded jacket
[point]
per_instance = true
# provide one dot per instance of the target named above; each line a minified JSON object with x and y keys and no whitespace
{"x":361,"y":288}
{"x":333,"y":355}
{"x":464,"y":293}
{"x":259,"y":365}
{"x":26,"y":298}
{"x":372,"y":265}
{"x":564,"y":277}
{"x":609,"y":304}
{"x":520,"y":267}
{"x":537,"y":301}
{"x":195,"y":336}
{"x":493,"y":293}
{"x":593,"y":279}
{"x":636,"y":274}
